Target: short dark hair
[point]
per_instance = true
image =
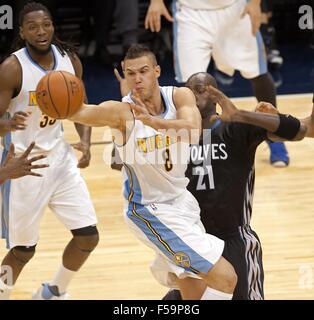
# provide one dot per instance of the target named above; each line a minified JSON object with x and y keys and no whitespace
{"x":137,"y":51}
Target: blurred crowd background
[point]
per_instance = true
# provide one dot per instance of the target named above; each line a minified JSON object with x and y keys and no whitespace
{"x":103,"y":30}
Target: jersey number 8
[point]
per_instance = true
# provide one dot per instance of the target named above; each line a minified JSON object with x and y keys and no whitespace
{"x":167,"y":158}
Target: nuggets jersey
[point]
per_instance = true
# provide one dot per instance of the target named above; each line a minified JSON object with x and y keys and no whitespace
{"x":45,"y":131}
{"x":206,"y":4}
{"x":154,"y":163}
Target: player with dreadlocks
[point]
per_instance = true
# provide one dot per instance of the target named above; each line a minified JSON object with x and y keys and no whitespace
{"x":62,"y":188}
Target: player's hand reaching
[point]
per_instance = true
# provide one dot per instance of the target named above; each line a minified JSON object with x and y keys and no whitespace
{"x":155,"y":10}
{"x":266,"y":107}
{"x":253,"y":9}
{"x":124,"y":88}
{"x":16,"y":167}
{"x":140,"y":110}
{"x":86,"y":155}
{"x":17,"y":122}
{"x":227,"y":107}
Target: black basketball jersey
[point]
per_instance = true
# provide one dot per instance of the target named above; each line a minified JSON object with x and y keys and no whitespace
{"x":221,"y":173}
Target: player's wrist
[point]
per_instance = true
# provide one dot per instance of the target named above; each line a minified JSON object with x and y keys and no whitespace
{"x":5,"y":124}
{"x":150,"y":121}
{"x":7,"y":173}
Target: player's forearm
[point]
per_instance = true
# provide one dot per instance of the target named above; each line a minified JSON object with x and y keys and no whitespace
{"x":104,"y":114}
{"x":84,"y":132}
{"x":89,"y":115}
{"x":270,"y":122}
{"x":188,"y":131}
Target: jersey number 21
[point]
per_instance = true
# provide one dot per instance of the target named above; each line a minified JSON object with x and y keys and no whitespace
{"x":201,"y":172}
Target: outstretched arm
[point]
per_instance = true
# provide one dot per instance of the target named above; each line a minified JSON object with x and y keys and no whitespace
{"x":270,"y":122}
{"x":267,"y":107}
{"x":186,"y":126}
{"x":113,"y":114}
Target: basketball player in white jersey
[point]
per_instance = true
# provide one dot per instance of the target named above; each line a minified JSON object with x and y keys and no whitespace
{"x":149,"y":137}
{"x":62,"y":187}
{"x":226,"y":30}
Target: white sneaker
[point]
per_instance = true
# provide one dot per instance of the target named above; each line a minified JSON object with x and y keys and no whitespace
{"x":44,"y":293}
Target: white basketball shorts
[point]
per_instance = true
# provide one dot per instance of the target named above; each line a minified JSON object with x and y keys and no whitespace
{"x":61,"y":188}
{"x":175,"y":232}
{"x":222,"y":34}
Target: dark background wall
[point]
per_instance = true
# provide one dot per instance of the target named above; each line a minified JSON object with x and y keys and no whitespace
{"x":75,"y":20}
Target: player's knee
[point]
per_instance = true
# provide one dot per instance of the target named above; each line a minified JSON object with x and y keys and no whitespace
{"x":23,"y":254}
{"x":86,"y":239}
{"x":222,"y":276}
{"x":86,"y":243}
{"x":231,"y":279}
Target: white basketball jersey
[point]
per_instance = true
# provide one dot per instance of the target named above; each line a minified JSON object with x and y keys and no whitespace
{"x":45,"y":131}
{"x":154,"y":163}
{"x":206,"y":4}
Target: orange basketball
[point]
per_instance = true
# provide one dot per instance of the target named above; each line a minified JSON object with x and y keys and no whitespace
{"x":59,"y":94}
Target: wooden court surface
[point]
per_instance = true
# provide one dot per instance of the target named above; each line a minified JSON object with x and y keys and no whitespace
{"x":283,"y":217}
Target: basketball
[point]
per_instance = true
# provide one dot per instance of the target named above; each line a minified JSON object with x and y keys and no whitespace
{"x":59,"y":94}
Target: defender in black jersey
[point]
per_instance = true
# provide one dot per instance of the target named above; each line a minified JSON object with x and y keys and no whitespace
{"x":221,"y":173}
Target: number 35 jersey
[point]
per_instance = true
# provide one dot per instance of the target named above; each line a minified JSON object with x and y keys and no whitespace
{"x":154,"y":163}
{"x":45,"y":131}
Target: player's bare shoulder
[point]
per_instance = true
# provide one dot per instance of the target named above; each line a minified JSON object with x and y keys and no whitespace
{"x":183,"y":96}
{"x":10,"y":74}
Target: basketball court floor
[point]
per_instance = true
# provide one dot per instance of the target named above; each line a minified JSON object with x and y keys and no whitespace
{"x":283,"y":217}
